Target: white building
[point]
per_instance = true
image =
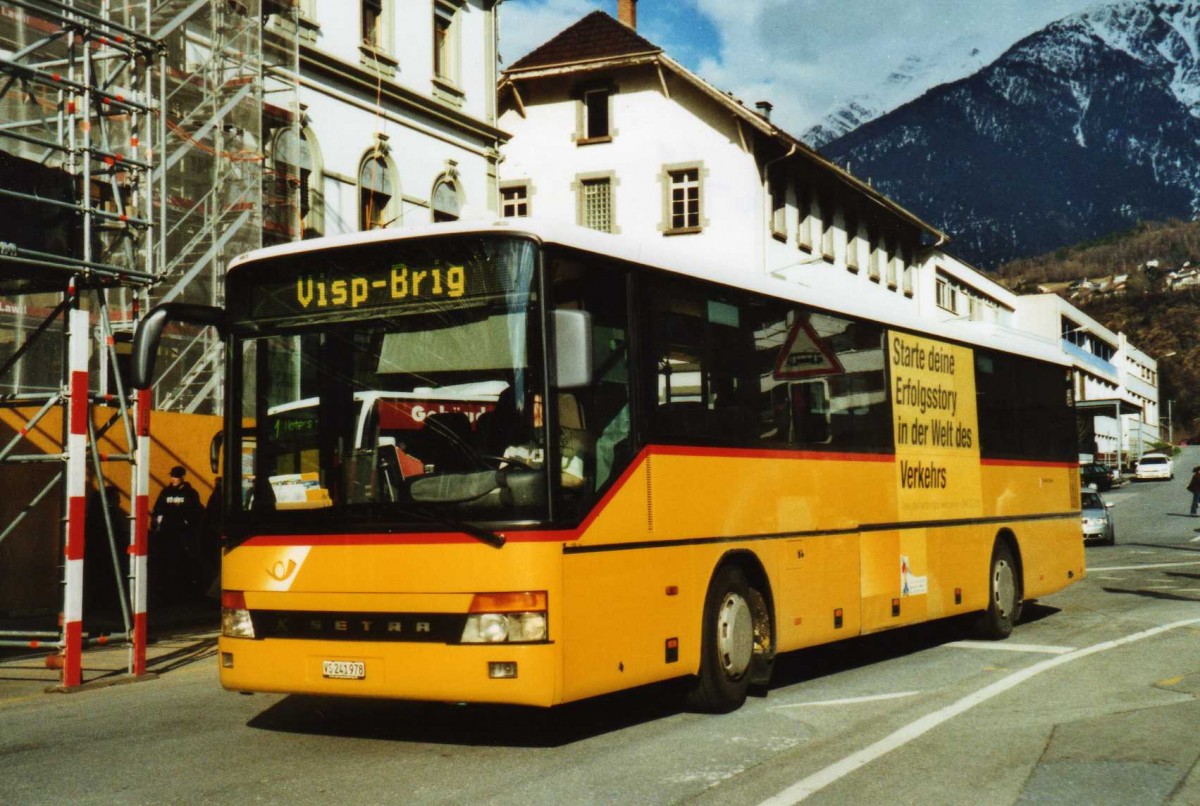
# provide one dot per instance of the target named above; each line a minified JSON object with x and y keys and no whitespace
{"x":611,"y":133}
{"x":398,"y":115}
{"x":1113,"y":381}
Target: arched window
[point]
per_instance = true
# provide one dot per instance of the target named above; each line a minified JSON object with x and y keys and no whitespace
{"x":447,"y":200}
{"x":378,"y":191}
{"x":299,"y":178}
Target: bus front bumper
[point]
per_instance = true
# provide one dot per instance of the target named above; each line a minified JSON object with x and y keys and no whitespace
{"x":513,"y":674}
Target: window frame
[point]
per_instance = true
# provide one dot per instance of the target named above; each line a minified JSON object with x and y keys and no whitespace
{"x":392,"y":212}
{"x":777,"y":193}
{"x":852,"y":242}
{"x":670,"y":179}
{"x":525,"y":198}
{"x":582,"y":182}
{"x":583,"y":120}
{"x":446,"y":61}
{"x":446,"y":180}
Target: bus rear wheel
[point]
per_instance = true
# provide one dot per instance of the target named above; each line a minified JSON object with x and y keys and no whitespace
{"x":1004,"y":595}
{"x":726,"y":644}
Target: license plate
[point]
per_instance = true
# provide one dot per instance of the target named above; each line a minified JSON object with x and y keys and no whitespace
{"x":344,"y":669}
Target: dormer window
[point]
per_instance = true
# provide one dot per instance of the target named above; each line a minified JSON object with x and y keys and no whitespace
{"x":595,"y":115}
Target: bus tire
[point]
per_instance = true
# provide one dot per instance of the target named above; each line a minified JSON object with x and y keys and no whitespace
{"x":1004,"y":595}
{"x":726,"y":644}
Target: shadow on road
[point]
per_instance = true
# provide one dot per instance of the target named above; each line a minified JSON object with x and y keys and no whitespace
{"x":1168,"y":546}
{"x":485,"y":725}
{"x":1169,"y":597}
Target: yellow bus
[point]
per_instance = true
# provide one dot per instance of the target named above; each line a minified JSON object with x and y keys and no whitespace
{"x":626,"y":469}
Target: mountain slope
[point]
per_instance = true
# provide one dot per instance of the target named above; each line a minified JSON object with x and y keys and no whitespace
{"x":1085,"y":127}
{"x":948,"y":62}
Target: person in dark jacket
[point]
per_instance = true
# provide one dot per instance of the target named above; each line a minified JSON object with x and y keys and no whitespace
{"x":175,"y":523}
{"x":1194,"y":488}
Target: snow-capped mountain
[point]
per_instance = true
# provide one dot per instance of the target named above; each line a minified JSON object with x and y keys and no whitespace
{"x":950,"y":61}
{"x":1078,"y":130}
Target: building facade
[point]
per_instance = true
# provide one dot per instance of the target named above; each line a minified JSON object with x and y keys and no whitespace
{"x":610,"y":133}
{"x":397,"y":115}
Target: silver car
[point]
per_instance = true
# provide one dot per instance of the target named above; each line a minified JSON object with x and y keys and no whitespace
{"x":1097,"y":520}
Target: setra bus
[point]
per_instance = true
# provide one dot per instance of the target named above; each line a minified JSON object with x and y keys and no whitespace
{"x":665,"y":470}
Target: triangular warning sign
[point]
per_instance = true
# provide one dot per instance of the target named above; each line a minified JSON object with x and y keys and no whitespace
{"x":805,"y":355}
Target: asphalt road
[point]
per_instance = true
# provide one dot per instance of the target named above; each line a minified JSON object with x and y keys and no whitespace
{"x":1093,"y":700}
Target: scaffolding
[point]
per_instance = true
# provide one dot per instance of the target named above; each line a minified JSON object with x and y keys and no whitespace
{"x":132,"y":168}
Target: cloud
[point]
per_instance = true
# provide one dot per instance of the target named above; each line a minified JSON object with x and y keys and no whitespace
{"x":809,"y":56}
{"x":805,"y":56}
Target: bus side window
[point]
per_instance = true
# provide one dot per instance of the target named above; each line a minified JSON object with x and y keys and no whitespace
{"x":810,"y":412}
{"x":593,"y":421}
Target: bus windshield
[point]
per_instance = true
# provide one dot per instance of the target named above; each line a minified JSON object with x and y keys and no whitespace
{"x":394,"y":381}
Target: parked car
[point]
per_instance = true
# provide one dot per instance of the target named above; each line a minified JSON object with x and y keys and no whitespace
{"x":1154,"y":466}
{"x":1097,"y":520}
{"x":1096,"y":474}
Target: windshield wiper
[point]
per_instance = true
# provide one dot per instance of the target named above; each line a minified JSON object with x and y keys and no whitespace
{"x":478,"y":532}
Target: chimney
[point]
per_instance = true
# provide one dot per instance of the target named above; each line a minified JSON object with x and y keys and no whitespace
{"x":627,"y":12}
{"x":764,"y":108}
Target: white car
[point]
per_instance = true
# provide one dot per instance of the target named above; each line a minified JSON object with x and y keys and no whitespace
{"x":1154,"y":466}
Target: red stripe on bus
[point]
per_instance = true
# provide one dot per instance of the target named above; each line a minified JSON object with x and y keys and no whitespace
{"x":1026,"y":463}
{"x":769,"y":453}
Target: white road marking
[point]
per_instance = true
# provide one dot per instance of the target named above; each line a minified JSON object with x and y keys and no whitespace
{"x":835,"y":772}
{"x":846,"y":701}
{"x":1140,"y":567}
{"x":1008,"y":646}
{"x":1195,"y":539}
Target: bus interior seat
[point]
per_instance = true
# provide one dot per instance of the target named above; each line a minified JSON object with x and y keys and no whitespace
{"x":446,"y":442}
{"x":575,"y":438}
{"x":495,"y":430}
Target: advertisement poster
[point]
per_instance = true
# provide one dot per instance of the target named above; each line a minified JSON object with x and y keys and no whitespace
{"x":936,"y":428}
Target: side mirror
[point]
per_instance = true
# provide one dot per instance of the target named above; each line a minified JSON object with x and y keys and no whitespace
{"x":149,"y":333}
{"x":572,"y":349}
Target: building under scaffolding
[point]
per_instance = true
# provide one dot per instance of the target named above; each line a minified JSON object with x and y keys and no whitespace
{"x":131,"y":170}
{"x":144,"y":143}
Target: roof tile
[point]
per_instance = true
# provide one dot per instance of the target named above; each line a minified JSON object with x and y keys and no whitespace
{"x":596,"y":36}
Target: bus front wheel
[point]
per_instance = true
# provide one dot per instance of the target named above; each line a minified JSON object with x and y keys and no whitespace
{"x":1004,"y":595}
{"x":726,"y":645}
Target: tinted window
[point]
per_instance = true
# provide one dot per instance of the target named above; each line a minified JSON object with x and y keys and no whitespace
{"x":594,"y":421}
{"x":736,"y":370}
{"x":1023,"y":411}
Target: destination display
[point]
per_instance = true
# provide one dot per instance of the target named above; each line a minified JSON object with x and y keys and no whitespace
{"x":398,"y":285}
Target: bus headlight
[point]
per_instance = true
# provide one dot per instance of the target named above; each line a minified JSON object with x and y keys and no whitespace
{"x":496,"y":618}
{"x":235,"y":617}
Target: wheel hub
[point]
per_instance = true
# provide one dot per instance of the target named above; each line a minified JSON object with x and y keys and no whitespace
{"x":1004,"y":585}
{"x":735,"y":635}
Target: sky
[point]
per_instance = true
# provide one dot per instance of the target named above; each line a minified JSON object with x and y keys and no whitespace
{"x":806,"y":57}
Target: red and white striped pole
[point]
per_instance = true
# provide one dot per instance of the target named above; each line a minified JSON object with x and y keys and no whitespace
{"x":77,"y":415}
{"x":139,"y":540}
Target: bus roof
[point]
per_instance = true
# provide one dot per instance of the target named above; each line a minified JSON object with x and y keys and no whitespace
{"x":660,"y":256}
